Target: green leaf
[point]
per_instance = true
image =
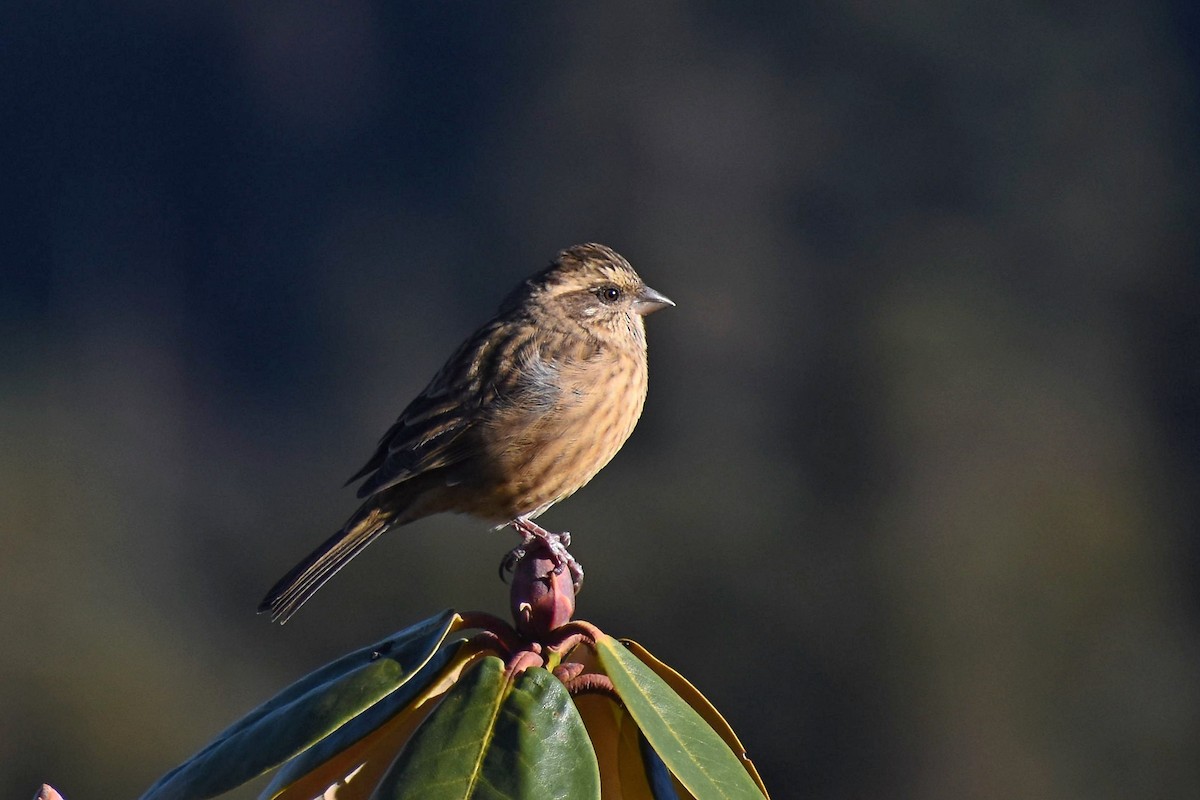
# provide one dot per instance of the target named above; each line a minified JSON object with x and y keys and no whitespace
{"x":493,"y":738}
{"x":689,"y":747}
{"x":690,"y":695}
{"x":304,"y":713}
{"x":363,"y":725}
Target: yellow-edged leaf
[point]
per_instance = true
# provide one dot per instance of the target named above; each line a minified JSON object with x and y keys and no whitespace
{"x":304,"y":713}
{"x":687,"y":744}
{"x":622,"y":776}
{"x":354,"y":763}
{"x":692,"y":696}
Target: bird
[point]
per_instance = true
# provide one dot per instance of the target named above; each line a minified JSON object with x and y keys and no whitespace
{"x":522,"y":415}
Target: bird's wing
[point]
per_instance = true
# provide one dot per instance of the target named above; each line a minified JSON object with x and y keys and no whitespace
{"x":493,"y":373}
{"x":429,"y":435}
{"x":433,"y":432}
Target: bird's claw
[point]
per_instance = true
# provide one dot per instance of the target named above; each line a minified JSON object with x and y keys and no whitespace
{"x":556,"y":545}
{"x":564,"y":560}
{"x":509,"y":562}
{"x":576,"y":573}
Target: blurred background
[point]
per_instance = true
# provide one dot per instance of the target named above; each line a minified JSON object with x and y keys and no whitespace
{"x":913,"y":500}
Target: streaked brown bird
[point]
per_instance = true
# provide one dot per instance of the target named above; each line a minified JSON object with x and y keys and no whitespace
{"x":524,"y":413}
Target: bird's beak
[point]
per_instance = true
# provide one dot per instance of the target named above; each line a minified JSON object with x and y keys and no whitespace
{"x":649,"y":301}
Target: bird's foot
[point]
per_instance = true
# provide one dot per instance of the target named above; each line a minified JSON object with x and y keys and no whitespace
{"x":555,"y":543}
{"x":509,"y":562}
{"x":576,"y":572}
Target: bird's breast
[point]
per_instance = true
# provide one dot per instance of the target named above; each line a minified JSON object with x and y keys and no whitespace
{"x":573,"y":419}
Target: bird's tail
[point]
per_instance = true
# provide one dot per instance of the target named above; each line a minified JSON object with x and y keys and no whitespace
{"x":294,"y":589}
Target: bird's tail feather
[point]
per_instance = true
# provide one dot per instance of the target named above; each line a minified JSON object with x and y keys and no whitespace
{"x":294,"y":589}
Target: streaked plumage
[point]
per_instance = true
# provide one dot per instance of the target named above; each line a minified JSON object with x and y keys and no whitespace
{"x":521,"y":416}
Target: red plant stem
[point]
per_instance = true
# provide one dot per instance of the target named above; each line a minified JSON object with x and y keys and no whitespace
{"x":571,"y":634}
{"x":522,"y":661}
{"x":568,"y":670}
{"x":492,"y":624}
{"x":487,"y":640}
{"x":592,"y":683}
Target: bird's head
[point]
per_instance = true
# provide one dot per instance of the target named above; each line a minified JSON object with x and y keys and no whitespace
{"x":595,"y":287}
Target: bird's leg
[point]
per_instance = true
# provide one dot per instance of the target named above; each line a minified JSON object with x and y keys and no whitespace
{"x":556,"y":543}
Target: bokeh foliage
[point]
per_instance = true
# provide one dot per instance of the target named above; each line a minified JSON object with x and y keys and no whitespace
{"x":922,"y":436}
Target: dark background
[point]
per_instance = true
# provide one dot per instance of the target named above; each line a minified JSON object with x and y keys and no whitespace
{"x":914,"y":498}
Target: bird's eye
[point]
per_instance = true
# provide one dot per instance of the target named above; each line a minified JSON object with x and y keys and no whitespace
{"x":610,"y":294}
